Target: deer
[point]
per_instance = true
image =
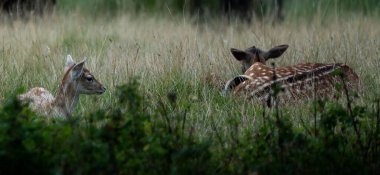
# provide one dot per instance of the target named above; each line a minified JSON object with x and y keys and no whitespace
{"x":76,"y":80}
{"x":304,"y":80}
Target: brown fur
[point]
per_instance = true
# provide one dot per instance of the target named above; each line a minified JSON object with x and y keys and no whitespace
{"x":308,"y":80}
{"x":42,"y":102}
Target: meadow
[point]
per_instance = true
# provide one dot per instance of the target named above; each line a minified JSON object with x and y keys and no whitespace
{"x":175,"y":55}
{"x":172,"y":55}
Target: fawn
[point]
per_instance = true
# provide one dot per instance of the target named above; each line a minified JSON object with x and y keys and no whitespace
{"x":310,"y":80}
{"x":76,"y":80}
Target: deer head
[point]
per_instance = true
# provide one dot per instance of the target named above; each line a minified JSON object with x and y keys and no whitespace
{"x":254,"y":55}
{"x":79,"y":79}
{"x":76,"y":80}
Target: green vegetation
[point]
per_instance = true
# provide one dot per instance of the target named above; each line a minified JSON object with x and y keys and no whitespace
{"x":334,"y":7}
{"x":174,"y":120}
{"x":139,"y":136}
{"x":293,"y":9}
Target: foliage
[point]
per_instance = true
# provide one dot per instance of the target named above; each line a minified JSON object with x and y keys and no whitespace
{"x":338,"y":8}
{"x":138,"y":136}
{"x":293,"y":9}
{"x":123,"y":140}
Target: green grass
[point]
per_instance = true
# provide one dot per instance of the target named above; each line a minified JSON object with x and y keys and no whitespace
{"x":175,"y":54}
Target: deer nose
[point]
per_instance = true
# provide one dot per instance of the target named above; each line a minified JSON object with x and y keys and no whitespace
{"x":102,"y":90}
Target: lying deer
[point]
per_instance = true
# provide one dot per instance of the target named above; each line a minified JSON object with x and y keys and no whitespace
{"x":305,"y":80}
{"x":76,"y":80}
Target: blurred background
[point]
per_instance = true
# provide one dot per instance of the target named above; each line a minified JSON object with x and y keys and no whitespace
{"x":246,"y":10}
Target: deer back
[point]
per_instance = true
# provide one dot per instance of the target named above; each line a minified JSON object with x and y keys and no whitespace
{"x":308,"y":80}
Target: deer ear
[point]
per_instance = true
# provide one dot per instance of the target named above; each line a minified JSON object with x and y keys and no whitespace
{"x":239,"y":54}
{"x":77,"y":70}
{"x":69,"y":62}
{"x":275,"y":52}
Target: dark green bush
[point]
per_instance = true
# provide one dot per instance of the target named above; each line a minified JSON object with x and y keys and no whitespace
{"x":123,"y":140}
{"x":138,"y":136}
{"x":293,"y":9}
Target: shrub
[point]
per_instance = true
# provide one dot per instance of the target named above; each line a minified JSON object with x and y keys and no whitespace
{"x":138,"y":136}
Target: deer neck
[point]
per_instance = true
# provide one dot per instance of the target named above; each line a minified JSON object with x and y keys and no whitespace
{"x":66,"y":99}
{"x":67,"y":96}
{"x":258,"y":66}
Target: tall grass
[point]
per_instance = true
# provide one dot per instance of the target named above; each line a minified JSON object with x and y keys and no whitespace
{"x":175,"y":54}
{"x":172,"y":56}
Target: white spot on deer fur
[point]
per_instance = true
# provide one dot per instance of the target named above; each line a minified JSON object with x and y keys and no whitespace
{"x":251,"y":74}
{"x":261,"y":79}
{"x":263,"y":73}
{"x":258,"y":68}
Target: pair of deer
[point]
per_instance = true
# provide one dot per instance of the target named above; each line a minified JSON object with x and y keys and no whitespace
{"x":310,"y":79}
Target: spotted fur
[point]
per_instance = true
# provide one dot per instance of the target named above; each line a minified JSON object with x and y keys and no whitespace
{"x":40,"y":100}
{"x":308,"y":80}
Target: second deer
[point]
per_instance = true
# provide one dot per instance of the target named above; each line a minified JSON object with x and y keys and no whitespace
{"x":76,"y":80}
{"x":305,"y":80}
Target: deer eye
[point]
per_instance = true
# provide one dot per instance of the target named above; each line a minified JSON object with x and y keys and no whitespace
{"x":90,"y":79}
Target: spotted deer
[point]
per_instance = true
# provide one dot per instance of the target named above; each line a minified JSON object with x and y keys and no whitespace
{"x":76,"y":80}
{"x":305,"y":80}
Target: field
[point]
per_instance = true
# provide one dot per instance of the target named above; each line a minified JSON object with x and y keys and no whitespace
{"x":176,"y":54}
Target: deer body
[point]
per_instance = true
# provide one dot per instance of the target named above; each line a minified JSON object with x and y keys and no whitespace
{"x":308,"y":80}
{"x":77,"y":80}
